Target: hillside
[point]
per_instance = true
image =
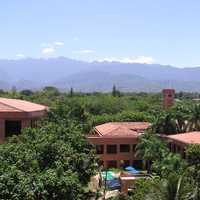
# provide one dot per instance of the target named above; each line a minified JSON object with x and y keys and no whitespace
{"x":95,"y":76}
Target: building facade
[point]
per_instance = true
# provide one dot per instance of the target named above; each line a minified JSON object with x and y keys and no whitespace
{"x":115,"y":143}
{"x":168,"y":97}
{"x":179,"y":142}
{"x":18,"y":114}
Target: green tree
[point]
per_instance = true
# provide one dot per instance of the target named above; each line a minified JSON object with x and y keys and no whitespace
{"x":193,"y":157}
{"x":173,"y":187}
{"x":123,"y":197}
{"x":27,"y":92}
{"x":50,"y":90}
{"x":141,"y":189}
{"x":170,"y":163}
{"x":115,"y":92}
{"x":2,"y":91}
{"x":53,"y":162}
{"x":194,"y":118}
{"x":180,"y":114}
{"x":150,"y":148}
{"x":71,"y":93}
{"x":165,"y":123}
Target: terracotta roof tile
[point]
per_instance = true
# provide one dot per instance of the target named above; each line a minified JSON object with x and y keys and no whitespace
{"x":186,"y":138}
{"x":121,"y":129}
{"x":6,"y":108}
{"x":15,"y":105}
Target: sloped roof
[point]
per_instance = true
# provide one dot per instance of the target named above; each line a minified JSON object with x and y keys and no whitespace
{"x":15,"y":105}
{"x":121,"y":129}
{"x":186,"y":138}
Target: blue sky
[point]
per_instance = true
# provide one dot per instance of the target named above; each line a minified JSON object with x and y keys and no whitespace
{"x":150,"y":31}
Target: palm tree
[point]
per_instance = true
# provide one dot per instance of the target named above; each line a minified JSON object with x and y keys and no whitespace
{"x":173,"y":187}
{"x":150,"y":148}
{"x":181,"y":117}
{"x":175,"y":120}
{"x":170,"y":163}
{"x":194,"y":118}
{"x":165,"y":123}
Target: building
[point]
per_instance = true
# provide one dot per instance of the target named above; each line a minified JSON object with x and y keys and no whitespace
{"x":115,"y":143}
{"x":18,"y":114}
{"x":179,"y":142}
{"x":168,"y":97}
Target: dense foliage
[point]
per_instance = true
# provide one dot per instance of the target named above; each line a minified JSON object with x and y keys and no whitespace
{"x":54,"y":161}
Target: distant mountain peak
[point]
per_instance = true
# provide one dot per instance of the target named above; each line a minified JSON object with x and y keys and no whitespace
{"x":96,"y":75}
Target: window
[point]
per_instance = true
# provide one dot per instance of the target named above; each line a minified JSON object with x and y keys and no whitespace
{"x":99,"y":149}
{"x":112,"y":149}
{"x":12,"y":128}
{"x":178,"y":149}
{"x":124,"y":148}
{"x":173,"y":148}
{"x":112,"y":164}
{"x":34,"y":123}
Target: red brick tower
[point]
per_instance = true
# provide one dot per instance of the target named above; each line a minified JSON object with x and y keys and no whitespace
{"x":168,"y":95}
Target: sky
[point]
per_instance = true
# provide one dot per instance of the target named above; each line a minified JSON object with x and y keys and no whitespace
{"x":144,"y":31}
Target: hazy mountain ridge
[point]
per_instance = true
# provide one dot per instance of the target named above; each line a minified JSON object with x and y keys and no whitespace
{"x":95,"y":76}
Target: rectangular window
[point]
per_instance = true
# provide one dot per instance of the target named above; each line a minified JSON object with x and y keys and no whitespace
{"x":12,"y":128}
{"x":112,"y":164}
{"x":34,"y":123}
{"x":124,"y":148}
{"x":178,"y":149}
{"x":173,"y":148}
{"x":112,"y":149}
{"x":99,"y":149}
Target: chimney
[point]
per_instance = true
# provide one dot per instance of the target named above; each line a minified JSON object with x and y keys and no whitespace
{"x":168,"y":97}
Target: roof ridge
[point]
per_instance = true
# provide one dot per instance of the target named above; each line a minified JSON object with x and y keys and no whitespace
{"x":12,"y":106}
{"x":98,"y":131}
{"x":114,"y":129}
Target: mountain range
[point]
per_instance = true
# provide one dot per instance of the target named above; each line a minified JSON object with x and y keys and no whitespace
{"x":65,"y":73}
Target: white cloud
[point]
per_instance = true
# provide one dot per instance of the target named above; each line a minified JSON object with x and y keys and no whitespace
{"x":59,"y":43}
{"x":20,"y":55}
{"x":83,"y":51}
{"x":144,"y":59}
{"x":48,"y":51}
{"x":50,"y":48}
{"x":138,"y":59}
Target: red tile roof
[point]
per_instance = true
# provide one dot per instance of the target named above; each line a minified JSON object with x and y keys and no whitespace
{"x":15,"y":105}
{"x":121,"y":129}
{"x":186,"y":138}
